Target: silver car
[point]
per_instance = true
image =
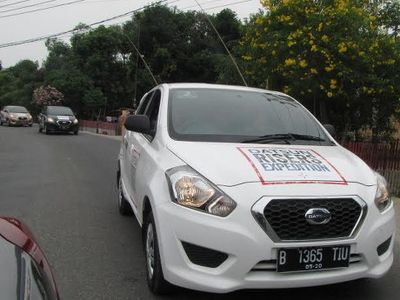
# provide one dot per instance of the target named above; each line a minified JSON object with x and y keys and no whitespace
{"x":15,"y":116}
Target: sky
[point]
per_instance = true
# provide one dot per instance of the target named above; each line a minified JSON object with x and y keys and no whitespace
{"x":63,"y":18}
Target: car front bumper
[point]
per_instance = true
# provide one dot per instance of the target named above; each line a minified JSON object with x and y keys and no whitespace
{"x":18,"y":122}
{"x":249,"y":247}
{"x":55,"y":127}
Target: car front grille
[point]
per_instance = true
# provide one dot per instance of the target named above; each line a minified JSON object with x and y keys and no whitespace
{"x":286,"y":217}
{"x":64,"y":123}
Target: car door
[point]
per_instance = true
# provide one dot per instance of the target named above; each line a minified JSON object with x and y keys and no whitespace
{"x":129,"y":155}
{"x":143,"y":145}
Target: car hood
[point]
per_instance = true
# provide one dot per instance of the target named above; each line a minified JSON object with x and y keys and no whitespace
{"x":233,"y":164}
{"x":20,"y":114}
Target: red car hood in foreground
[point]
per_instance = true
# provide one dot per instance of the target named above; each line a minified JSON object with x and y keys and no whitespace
{"x":25,"y":272}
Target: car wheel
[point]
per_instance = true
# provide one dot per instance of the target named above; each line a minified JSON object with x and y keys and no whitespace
{"x":40,"y":129}
{"x":155,"y":277}
{"x":76,"y":132}
{"x":123,"y":205}
{"x":30,"y":125}
{"x":46,"y":131}
{"x":1,"y":122}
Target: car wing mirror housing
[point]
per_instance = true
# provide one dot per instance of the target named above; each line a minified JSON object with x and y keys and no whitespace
{"x":331,"y":129}
{"x":138,"y":123}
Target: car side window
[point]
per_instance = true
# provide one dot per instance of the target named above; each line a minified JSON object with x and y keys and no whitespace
{"x":144,"y":103}
{"x":152,"y":110}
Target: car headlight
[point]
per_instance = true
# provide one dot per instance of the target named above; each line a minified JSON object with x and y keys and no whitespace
{"x":75,"y":121}
{"x":382,"y":197}
{"x":29,"y":116}
{"x":190,"y":189}
{"x":12,"y":116}
{"x":50,"y":120}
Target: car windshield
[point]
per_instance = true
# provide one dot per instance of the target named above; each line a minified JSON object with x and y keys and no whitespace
{"x":59,"y":110}
{"x":222,"y":115}
{"x":17,"y":109}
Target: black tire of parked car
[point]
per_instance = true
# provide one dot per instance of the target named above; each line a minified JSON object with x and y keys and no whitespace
{"x":123,"y":206}
{"x":76,"y":132}
{"x":156,"y":281}
{"x":46,"y":131}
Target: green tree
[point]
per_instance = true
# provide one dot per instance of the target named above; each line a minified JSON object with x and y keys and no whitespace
{"x":62,"y":72}
{"x":181,"y":48}
{"x":18,"y":82}
{"x":99,"y":55}
{"x":99,"y":71}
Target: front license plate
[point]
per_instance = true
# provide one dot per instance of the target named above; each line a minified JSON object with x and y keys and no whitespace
{"x":313,"y":258}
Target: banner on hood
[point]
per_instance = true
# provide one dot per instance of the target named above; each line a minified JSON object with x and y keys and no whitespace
{"x":291,"y":166}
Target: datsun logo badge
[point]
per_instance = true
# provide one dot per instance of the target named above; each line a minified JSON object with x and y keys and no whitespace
{"x":318,"y":216}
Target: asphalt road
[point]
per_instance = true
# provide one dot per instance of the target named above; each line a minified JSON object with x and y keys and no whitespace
{"x":63,"y":187}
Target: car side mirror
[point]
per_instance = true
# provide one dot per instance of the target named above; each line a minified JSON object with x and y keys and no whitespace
{"x":331,"y":129}
{"x":138,"y":123}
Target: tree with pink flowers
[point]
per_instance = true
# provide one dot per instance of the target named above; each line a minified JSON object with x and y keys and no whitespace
{"x":47,"y":95}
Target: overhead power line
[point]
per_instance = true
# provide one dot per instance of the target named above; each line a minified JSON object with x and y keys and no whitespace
{"x":13,"y":3}
{"x":55,"y":35}
{"x":40,"y":9}
{"x":232,"y":3}
{"x":26,"y":6}
{"x":205,"y":2}
{"x":41,"y":38}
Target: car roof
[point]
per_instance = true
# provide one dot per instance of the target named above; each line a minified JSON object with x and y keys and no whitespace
{"x":219,"y":86}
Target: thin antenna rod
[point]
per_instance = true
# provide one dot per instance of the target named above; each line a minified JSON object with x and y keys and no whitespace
{"x":223,"y":43}
{"x":142,"y":57}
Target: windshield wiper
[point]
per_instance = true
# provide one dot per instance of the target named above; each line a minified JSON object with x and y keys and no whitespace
{"x":269,"y":138}
{"x":305,"y":137}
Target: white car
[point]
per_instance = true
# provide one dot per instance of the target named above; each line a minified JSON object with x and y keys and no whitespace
{"x":242,"y":188}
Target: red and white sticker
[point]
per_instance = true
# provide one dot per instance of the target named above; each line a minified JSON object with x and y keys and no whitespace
{"x":291,"y":166}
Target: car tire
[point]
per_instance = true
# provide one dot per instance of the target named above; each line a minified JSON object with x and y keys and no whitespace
{"x":46,"y":131}
{"x":155,"y":277}
{"x":123,"y":206}
{"x":40,"y":129}
{"x":76,"y":132}
{"x":30,"y":125}
{"x":1,"y":122}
